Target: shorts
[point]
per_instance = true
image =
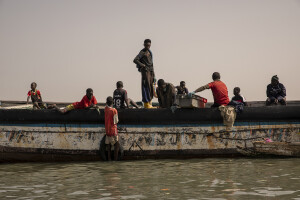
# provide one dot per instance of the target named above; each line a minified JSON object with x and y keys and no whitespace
{"x":112,"y":140}
{"x":43,"y":105}
{"x":70,"y":107}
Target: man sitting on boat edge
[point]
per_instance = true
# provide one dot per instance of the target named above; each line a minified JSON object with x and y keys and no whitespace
{"x":36,"y":97}
{"x":120,"y":97}
{"x":276,"y":92}
{"x":218,"y":88}
{"x":238,"y":97}
{"x":88,"y":101}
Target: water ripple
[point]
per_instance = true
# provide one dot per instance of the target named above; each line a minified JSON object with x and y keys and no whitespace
{"x":207,"y":179}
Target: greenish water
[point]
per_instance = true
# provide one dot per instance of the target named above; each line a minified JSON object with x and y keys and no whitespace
{"x":207,"y":179}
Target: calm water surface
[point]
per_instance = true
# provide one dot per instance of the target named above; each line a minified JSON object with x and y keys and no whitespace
{"x":208,"y":179}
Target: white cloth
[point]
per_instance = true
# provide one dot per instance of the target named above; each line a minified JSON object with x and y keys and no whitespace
{"x":116,"y":119}
{"x":228,"y":113}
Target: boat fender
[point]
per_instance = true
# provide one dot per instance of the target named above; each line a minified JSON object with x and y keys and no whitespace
{"x":103,"y":152}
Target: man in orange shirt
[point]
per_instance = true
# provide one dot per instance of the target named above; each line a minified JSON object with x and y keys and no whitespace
{"x":88,"y":101}
{"x":111,"y":121}
{"x":218,"y":89}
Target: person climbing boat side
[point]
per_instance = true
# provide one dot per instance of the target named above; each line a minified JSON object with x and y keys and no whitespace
{"x":166,"y":94}
{"x":144,"y":62}
{"x":218,"y":88}
{"x":36,"y":97}
{"x":120,"y":97}
{"x":111,"y":121}
{"x":276,"y":92}
{"x":88,"y":101}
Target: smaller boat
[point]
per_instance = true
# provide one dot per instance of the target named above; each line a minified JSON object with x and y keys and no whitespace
{"x":261,"y":148}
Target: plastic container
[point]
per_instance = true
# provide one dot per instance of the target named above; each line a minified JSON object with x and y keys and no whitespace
{"x":184,"y":101}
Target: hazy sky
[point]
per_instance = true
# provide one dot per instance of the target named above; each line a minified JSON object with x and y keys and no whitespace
{"x":67,"y":46}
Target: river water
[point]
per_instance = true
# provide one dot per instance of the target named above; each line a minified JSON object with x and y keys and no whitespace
{"x":206,"y":179}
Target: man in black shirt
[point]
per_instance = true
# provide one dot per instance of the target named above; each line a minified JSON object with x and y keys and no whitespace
{"x":166,"y":94}
{"x":120,"y":97}
{"x":144,"y":62}
{"x":276,"y":92}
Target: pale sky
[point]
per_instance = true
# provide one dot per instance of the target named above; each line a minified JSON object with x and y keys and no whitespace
{"x":67,"y":46}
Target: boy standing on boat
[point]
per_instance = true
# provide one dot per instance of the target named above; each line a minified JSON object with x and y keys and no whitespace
{"x":120,"y":97}
{"x":36,"y":97}
{"x":218,"y":88}
{"x":144,"y":63}
{"x":88,"y":101}
{"x":276,"y":92}
{"x":111,"y":121}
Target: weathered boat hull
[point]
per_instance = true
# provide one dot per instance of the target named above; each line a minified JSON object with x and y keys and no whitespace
{"x":278,"y":148}
{"x":48,"y":136}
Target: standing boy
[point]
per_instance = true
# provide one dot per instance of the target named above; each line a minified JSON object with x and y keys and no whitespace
{"x":144,"y":63}
{"x":111,"y":121}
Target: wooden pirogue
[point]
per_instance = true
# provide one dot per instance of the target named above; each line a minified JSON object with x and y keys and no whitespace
{"x":46,"y":135}
{"x":262,"y":149}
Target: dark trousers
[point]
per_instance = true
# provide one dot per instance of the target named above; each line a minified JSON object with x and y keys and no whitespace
{"x":147,"y":85}
{"x":272,"y":100}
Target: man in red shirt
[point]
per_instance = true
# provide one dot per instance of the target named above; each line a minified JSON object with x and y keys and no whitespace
{"x":88,"y":101}
{"x":218,"y":89}
{"x":111,"y":121}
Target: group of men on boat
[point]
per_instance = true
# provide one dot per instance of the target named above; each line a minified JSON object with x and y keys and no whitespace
{"x":165,"y":92}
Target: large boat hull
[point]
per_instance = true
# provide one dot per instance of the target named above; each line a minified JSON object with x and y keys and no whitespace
{"x":48,"y":136}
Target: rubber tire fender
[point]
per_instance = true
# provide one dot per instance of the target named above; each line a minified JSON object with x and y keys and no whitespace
{"x":103,"y":152}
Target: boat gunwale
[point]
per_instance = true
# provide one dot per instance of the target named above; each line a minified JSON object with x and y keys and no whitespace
{"x":151,"y":116}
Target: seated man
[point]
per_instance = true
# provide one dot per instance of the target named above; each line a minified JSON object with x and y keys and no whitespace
{"x":111,"y":121}
{"x":218,"y":89}
{"x":181,"y":89}
{"x":36,"y":97}
{"x":276,"y":92}
{"x":120,"y":97}
{"x":166,"y":94}
{"x":238,"y":97}
{"x":88,"y":101}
